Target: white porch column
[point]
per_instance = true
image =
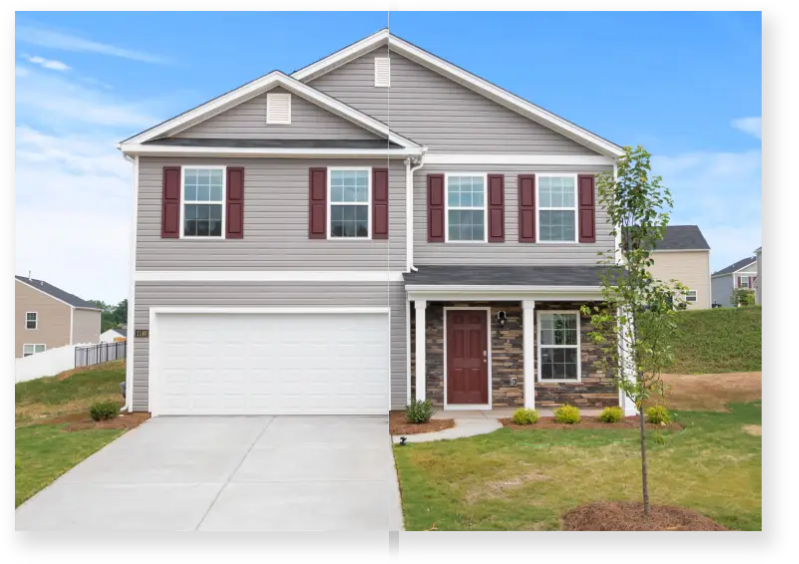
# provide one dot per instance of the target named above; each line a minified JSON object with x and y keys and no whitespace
{"x":628,"y":367}
{"x":421,"y":349}
{"x":528,"y":345}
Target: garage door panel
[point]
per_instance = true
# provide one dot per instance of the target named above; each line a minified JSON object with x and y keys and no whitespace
{"x":271,"y":364}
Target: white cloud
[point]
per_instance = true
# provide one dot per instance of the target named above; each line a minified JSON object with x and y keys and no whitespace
{"x":720,"y":192}
{"x":58,"y":40}
{"x":750,"y":125}
{"x":50,"y":64}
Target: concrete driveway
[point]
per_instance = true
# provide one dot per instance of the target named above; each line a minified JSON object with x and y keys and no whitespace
{"x":229,"y":474}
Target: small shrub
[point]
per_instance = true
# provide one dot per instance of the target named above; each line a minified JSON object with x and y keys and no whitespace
{"x":524,"y":416}
{"x":419,"y":411}
{"x":104,"y":410}
{"x":567,"y":414}
{"x":610,"y":415}
{"x":657,"y":415}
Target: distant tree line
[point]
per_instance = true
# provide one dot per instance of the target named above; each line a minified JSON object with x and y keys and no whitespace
{"x":113,"y":315}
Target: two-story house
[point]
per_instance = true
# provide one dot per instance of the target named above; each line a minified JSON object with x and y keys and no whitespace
{"x":684,"y":255}
{"x":378,"y":226}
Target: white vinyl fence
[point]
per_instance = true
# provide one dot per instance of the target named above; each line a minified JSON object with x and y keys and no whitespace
{"x":47,"y":363}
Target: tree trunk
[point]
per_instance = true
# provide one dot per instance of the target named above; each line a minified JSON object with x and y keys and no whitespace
{"x":644,"y":481}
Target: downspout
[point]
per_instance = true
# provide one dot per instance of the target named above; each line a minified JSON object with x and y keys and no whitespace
{"x":132,"y":288}
{"x":409,"y":170}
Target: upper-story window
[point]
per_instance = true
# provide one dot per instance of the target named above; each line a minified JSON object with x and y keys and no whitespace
{"x":31,"y":320}
{"x":557,"y":208}
{"x":203,"y":201}
{"x":744,"y":282}
{"x":349,"y":203}
{"x":466,"y":207}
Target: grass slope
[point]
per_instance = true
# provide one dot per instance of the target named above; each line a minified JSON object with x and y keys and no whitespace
{"x":713,"y":341}
{"x":43,"y":450}
{"x":525,"y":480}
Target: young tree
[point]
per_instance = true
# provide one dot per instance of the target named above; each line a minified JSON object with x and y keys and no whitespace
{"x":634,"y":324}
{"x":121,"y":312}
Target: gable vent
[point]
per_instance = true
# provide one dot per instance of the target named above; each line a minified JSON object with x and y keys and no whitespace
{"x":382,"y":72}
{"x":278,"y":108}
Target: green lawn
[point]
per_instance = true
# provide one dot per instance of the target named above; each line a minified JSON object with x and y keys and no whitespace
{"x":525,"y":480}
{"x":712,"y":341}
{"x":44,"y":450}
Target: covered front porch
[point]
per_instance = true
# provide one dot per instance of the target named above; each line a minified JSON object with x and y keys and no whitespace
{"x":498,"y":338}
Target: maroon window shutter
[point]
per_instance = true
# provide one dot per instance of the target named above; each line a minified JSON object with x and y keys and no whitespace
{"x":234,"y":216}
{"x":739,"y":281}
{"x":496,"y":208}
{"x":170,"y":203}
{"x":317,"y":194}
{"x":527,"y":213}
{"x":379,"y":203}
{"x":435,"y":208}
{"x":586,"y":211}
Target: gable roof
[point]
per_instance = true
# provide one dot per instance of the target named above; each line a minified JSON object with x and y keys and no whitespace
{"x":736,"y":266}
{"x":57,"y":293}
{"x":683,"y":238}
{"x":465,"y":78}
{"x":250,"y":90}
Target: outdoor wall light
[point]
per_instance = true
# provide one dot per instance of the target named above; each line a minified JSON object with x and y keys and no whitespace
{"x":502,"y":318}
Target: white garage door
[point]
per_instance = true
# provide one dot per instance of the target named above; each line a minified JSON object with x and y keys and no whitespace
{"x":268,"y":363}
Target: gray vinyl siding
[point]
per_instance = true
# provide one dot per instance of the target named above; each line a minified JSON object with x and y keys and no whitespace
{"x":511,"y":252}
{"x":721,"y":286}
{"x":270,"y":294}
{"x":248,"y":121}
{"x":275,"y":222}
{"x":438,"y":112}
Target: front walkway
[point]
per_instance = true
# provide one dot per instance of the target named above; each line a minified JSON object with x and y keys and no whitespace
{"x":229,"y":474}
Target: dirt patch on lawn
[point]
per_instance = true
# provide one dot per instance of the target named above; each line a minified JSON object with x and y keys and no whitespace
{"x":629,"y":516}
{"x":754,"y":430}
{"x":502,"y":488}
{"x":711,"y":392}
{"x":83,"y":421}
{"x":588,"y":423}
{"x":398,"y":425}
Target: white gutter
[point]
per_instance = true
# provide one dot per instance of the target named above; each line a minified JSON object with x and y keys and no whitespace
{"x":130,"y":344}
{"x":409,"y":170}
{"x":289,"y":152}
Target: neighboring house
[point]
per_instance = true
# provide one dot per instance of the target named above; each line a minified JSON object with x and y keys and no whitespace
{"x":740,"y":274}
{"x":47,"y":317}
{"x":759,"y":276}
{"x":684,"y":255}
{"x":293,"y":253}
{"x":114,"y":335}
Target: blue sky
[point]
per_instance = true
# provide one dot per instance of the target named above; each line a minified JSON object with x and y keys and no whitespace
{"x":687,"y":86}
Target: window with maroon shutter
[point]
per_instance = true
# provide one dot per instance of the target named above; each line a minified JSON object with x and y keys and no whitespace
{"x":317,"y":202}
{"x":496,"y":208}
{"x":435,"y":208}
{"x":527,"y":213}
{"x":234,"y":226}
{"x":170,"y":203}
{"x":380,"y":203}
{"x":586,"y":208}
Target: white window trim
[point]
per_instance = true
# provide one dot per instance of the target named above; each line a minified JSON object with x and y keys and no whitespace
{"x":286,"y":95}
{"x":368,"y":203}
{"x":695,"y":296}
{"x":449,"y":175}
{"x":539,"y":208}
{"x":183,"y":201}
{"x":34,"y":345}
{"x":578,"y":346}
{"x":748,"y":278}
{"x":27,"y":313}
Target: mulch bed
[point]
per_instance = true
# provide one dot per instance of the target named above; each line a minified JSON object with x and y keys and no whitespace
{"x":629,"y":516}
{"x":588,"y":423}
{"x":398,"y":425}
{"x":83,"y":421}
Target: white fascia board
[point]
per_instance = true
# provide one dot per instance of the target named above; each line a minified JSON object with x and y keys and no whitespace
{"x":254,"y":88}
{"x":256,"y":152}
{"x":267,"y":310}
{"x":342,"y":56}
{"x":681,"y":251}
{"x":752,"y":264}
{"x":268,"y":276}
{"x":557,"y":160}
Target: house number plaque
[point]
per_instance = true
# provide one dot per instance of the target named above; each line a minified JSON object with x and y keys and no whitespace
{"x":142,"y":333}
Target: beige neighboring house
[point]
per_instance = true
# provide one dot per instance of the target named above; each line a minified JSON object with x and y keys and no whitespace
{"x":684,"y":255}
{"x":47,"y":317}
{"x":759,"y":279}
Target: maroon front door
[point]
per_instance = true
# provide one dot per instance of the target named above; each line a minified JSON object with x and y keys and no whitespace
{"x":467,"y":356}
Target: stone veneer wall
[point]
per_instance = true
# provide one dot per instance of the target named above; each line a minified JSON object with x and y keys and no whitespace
{"x":507,"y":366}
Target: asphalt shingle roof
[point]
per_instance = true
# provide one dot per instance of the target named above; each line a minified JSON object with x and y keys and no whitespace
{"x":57,"y":293}
{"x":735,"y":266}
{"x":682,"y":237}
{"x":467,"y":275}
